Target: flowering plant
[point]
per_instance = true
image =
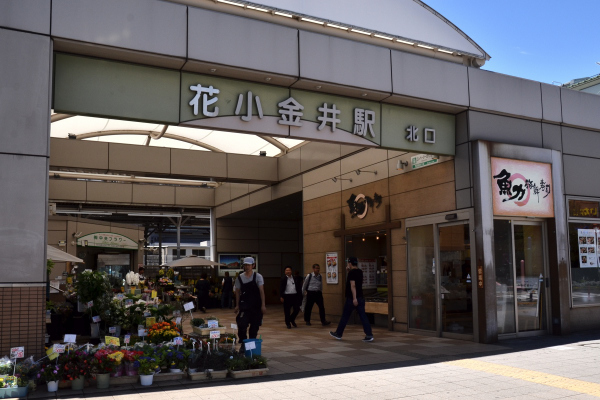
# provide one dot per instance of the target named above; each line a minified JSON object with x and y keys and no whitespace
{"x":76,"y":365}
{"x":131,"y":355}
{"x":51,"y":372}
{"x":146,"y":365}
{"x":132,"y":278}
{"x":163,"y":332}
{"x":104,"y":362}
{"x":177,"y":359}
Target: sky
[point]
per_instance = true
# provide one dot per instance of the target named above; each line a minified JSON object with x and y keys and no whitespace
{"x":547,"y":41}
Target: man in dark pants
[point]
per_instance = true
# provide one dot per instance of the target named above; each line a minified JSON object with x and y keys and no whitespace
{"x":290,"y":294}
{"x":250,"y":301}
{"x":227,"y":286}
{"x":313,"y":289}
{"x":354,"y":300}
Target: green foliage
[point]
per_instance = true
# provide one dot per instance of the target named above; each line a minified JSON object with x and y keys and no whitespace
{"x":164,"y":312}
{"x":258,"y":362}
{"x":49,"y":266}
{"x":217,"y":360}
{"x":197,"y":322}
{"x":92,"y":286}
{"x":239,"y":363}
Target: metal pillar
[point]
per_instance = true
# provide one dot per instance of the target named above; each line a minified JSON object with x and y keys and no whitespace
{"x":213,"y":235}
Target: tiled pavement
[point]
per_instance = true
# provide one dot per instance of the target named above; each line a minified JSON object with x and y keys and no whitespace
{"x":305,"y":362}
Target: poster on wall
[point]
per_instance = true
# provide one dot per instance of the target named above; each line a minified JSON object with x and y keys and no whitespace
{"x":522,"y":188}
{"x":233,"y":263}
{"x":331,"y":261}
{"x":369,"y":269}
{"x":587,"y":248}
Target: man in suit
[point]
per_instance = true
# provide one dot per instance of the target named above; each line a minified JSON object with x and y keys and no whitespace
{"x":290,"y":294}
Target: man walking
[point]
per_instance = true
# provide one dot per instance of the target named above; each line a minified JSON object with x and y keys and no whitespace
{"x":250,"y":301}
{"x":313,"y":289}
{"x":290,"y":294}
{"x":227,"y":291}
{"x":354,"y":300}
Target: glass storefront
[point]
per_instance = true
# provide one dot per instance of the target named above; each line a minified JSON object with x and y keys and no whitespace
{"x":421,"y":278}
{"x":371,"y":251}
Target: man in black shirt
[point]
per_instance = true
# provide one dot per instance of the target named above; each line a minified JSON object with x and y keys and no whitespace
{"x":227,"y":292}
{"x":354,"y":300}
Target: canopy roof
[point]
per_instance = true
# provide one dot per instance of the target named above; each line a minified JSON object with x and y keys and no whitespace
{"x":56,"y":255}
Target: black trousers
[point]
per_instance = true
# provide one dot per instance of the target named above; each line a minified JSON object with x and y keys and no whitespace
{"x":252,"y":318}
{"x":291,"y":307}
{"x":311,"y":299}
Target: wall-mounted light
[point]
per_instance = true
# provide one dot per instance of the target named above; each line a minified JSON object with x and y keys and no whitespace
{"x":451,"y":217}
{"x":335,"y":179}
{"x":401,"y":164}
{"x":358,"y":171}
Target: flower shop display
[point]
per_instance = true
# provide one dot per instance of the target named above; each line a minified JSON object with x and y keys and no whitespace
{"x":240,"y":366}
{"x":132,"y":279}
{"x":177,"y":360}
{"x":204,"y":329}
{"x":76,"y":368}
{"x":104,"y":363}
{"x":163,"y":332}
{"x":51,"y":373}
{"x":129,"y":359}
{"x":146,"y":367}
{"x":16,"y":385}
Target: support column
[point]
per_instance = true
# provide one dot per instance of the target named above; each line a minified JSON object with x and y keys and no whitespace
{"x":213,"y":235}
{"x":25,"y":71}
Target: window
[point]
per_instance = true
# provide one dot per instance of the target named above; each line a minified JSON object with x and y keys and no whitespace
{"x":199,"y":252}
{"x":584,"y":233}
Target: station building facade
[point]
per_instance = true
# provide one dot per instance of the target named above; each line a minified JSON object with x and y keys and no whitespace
{"x":468,"y":196}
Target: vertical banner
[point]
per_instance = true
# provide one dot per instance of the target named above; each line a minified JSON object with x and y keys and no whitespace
{"x":587,"y":248}
{"x":369,"y":269}
{"x":331,"y":261}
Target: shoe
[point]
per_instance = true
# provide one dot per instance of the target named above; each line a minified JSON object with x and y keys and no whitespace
{"x":326,"y":323}
{"x":294,"y":324}
{"x":368,"y":339}
{"x":289,"y":326}
{"x":335,"y":335}
{"x":308,"y":323}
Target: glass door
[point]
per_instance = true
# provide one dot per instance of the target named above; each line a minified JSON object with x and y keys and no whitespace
{"x":421,"y":278}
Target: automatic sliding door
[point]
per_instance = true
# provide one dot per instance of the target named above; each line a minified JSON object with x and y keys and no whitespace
{"x":421,"y":278}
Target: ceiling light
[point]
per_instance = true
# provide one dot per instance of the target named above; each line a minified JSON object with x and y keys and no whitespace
{"x":337,"y":26}
{"x":361,"y":32}
{"x":364,"y":239}
{"x":231,"y":2}
{"x":284,"y":14}
{"x":425,"y":47}
{"x":383,"y":37}
{"x":314,"y":21}
{"x":404,"y":41}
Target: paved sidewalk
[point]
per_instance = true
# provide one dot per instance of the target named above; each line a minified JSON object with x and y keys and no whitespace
{"x":306,"y":363}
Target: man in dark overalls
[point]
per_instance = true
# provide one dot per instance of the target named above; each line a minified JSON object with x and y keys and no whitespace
{"x":250,"y":301}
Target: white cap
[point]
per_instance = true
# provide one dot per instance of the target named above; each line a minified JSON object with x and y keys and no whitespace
{"x":248,"y":260}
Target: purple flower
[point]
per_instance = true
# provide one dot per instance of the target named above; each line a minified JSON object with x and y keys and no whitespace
{"x":38,"y":375}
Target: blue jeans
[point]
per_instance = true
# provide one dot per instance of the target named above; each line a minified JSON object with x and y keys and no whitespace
{"x":360,"y":309}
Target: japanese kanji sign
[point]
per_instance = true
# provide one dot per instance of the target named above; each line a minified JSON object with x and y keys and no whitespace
{"x":522,"y":188}
{"x":107,"y":240}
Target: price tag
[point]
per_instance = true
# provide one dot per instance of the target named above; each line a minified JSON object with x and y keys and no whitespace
{"x":177,"y":313}
{"x":178,"y":340}
{"x":120,"y":296}
{"x":147,"y":313}
{"x":70,"y":339}
{"x":51,"y":354}
{"x":178,"y":320}
{"x":212,"y":323}
{"x":142,"y":332}
{"x":150,"y":321}
{"x":112,"y":329}
{"x":90,"y":303}
{"x":96,"y":319}
{"x":112,"y":341}
{"x":153,"y":295}
{"x":128,"y":303}
{"x":127,"y":339}
{"x":188,"y":306}
{"x":59,"y":348}
{"x":215,"y":334}
{"x":17,"y":352}
{"x":250,"y":345}
{"x":132,"y":290}
{"x":233,"y":326}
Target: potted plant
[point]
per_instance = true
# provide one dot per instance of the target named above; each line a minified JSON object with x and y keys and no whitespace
{"x":129,"y":359}
{"x":93,"y":286}
{"x":227,"y":341}
{"x":103,"y":365}
{"x":146,"y":367}
{"x":216,"y":364}
{"x":163,"y":332}
{"x":243,"y":367}
{"x":177,"y":360}
{"x":196,"y":370}
{"x":76,"y":369}
{"x":51,"y":373}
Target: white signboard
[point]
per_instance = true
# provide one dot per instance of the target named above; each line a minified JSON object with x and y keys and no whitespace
{"x":59,"y":348}
{"x":215,"y":334}
{"x":17,"y":352}
{"x":178,"y":340}
{"x":70,"y":339}
{"x":212,"y":323}
{"x":127,"y":339}
{"x":233,"y":326}
{"x":369,"y":269}
{"x":107,"y":240}
{"x":188,"y":306}
{"x":587,"y":241}
{"x":250,"y":345}
{"x":423,"y":160}
{"x":522,"y":188}
{"x":332,"y":274}
{"x":142,"y":332}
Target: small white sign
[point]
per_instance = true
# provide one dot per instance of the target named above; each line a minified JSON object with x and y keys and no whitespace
{"x":59,"y":348}
{"x":250,"y":345}
{"x":96,"y":319}
{"x":178,"y":320}
{"x":90,"y":303}
{"x":120,"y":296}
{"x":177,"y":313}
{"x":142,"y":332}
{"x":215,"y":334}
{"x":188,"y":306}
{"x":178,"y":340}
{"x":212,"y":323}
{"x":127,"y":339}
{"x":17,"y":352}
{"x":147,"y":314}
{"x":233,"y":326}
{"x":70,"y":339}
{"x":128,"y":303}
{"x":112,"y":329}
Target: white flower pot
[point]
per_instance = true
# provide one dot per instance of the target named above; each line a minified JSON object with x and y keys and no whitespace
{"x":174,"y":370}
{"x":52,"y":386}
{"x":146,"y":380}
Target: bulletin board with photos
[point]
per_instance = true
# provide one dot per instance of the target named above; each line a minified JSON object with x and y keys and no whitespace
{"x":233,"y":263}
{"x":585,"y":264}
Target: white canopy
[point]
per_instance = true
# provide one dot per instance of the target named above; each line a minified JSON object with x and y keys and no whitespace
{"x":192,"y":261}
{"x":57,"y":255}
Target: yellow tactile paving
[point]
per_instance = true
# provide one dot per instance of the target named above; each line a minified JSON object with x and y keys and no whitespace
{"x":542,"y":378}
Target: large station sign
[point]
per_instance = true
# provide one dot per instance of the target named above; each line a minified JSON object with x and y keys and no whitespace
{"x":85,"y":86}
{"x":522,"y":188}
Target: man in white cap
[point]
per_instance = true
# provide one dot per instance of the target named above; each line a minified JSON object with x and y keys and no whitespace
{"x":250,"y":300}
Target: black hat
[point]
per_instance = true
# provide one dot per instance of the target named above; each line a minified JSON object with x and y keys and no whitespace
{"x":353,"y":261}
